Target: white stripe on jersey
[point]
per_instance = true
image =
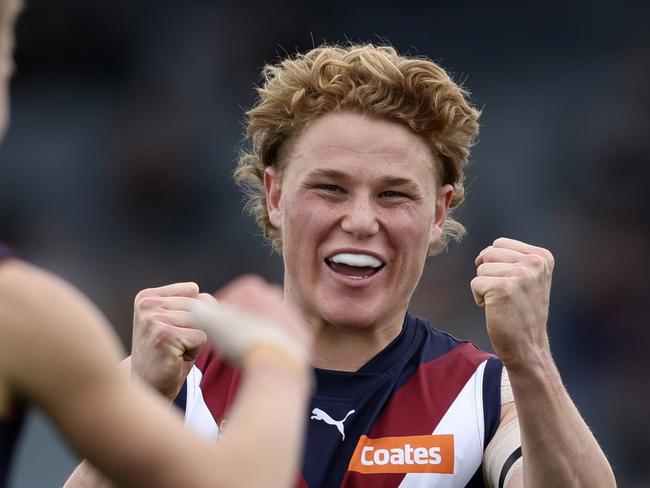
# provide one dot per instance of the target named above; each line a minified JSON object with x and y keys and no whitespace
{"x":464,"y":419}
{"x":197,"y":413}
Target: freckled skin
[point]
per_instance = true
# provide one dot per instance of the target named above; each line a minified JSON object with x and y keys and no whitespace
{"x":354,"y":182}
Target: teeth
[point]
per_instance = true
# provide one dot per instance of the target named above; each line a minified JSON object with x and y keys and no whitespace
{"x":361,"y":260}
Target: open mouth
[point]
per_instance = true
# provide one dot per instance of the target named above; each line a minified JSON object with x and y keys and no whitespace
{"x":357,"y":266}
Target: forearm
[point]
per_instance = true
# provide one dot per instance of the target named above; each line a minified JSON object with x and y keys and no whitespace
{"x":558,"y":447}
{"x":86,"y":475}
{"x":270,"y":405}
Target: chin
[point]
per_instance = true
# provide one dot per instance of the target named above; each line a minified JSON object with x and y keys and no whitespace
{"x":356,"y":316}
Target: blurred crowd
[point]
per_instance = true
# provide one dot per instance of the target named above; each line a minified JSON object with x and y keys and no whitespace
{"x":127,"y":116}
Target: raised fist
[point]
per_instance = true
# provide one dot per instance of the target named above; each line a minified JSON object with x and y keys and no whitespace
{"x":513,"y":284}
{"x":165,"y":344}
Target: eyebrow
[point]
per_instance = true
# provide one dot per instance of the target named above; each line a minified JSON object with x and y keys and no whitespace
{"x":328,"y":173}
{"x":386,"y":181}
{"x":401,"y":182}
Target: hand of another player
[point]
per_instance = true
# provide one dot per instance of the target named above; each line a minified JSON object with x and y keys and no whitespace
{"x":513,"y":284}
{"x":260,"y":317}
{"x":165,"y":345}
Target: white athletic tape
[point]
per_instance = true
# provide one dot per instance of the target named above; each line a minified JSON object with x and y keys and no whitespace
{"x":506,"y":388}
{"x":505,"y":442}
{"x":234,"y":332}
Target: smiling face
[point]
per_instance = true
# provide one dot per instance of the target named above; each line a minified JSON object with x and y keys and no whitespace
{"x":358,"y":205}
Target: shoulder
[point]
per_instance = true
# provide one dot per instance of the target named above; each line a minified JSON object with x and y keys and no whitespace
{"x":437,"y":342}
{"x":20,"y":282}
{"x":50,"y":330}
{"x":32,"y":298}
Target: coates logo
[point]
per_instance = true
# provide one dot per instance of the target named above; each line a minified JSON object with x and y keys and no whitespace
{"x":408,"y":454}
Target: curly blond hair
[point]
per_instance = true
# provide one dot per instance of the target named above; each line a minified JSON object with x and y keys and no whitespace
{"x":366,"y":79}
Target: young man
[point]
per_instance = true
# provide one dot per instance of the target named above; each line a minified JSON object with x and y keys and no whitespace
{"x":57,"y":354}
{"x":356,"y":161}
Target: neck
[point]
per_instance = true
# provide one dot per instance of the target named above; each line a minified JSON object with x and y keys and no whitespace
{"x":342,"y":348}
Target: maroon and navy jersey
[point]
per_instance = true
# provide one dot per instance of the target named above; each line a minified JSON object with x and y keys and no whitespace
{"x":419,"y":414}
{"x":10,"y":424}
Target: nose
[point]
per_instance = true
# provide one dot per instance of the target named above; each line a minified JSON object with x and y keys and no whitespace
{"x":360,"y":218}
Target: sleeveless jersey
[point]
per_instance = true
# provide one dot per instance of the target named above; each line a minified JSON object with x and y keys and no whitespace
{"x":10,"y":424}
{"x":419,"y":414}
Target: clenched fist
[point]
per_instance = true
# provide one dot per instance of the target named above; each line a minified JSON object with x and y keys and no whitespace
{"x":513,"y":284}
{"x":164,"y":343}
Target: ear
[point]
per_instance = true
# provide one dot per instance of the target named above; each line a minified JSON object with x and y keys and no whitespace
{"x":443,"y":200}
{"x":272,"y":189}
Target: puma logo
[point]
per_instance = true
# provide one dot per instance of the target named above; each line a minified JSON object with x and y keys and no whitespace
{"x":318,"y":414}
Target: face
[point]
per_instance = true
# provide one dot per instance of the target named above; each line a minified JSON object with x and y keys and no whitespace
{"x":358,"y":205}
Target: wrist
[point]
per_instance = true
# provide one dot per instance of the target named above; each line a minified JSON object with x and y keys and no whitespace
{"x":530,"y":361}
{"x":268,"y":357}
{"x":535,"y":369}
{"x":168,"y":391}
{"x":525,"y":356}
